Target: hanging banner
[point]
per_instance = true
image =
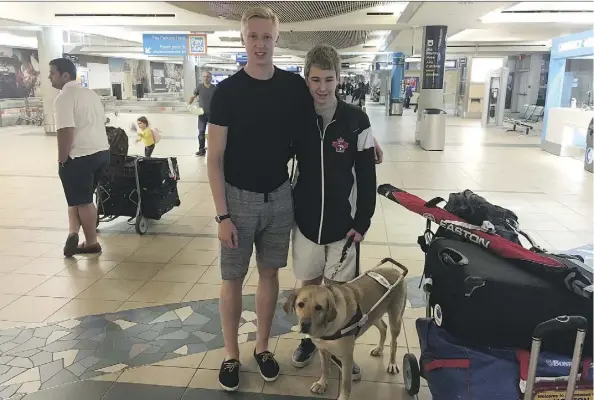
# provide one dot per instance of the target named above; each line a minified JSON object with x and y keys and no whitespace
{"x":434,"y":49}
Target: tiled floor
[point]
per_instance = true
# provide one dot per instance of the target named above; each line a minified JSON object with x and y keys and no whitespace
{"x":177,"y":261}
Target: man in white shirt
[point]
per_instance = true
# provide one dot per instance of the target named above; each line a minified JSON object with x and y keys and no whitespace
{"x":83,"y":153}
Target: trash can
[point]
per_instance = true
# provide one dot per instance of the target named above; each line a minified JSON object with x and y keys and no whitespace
{"x":396,"y":108}
{"x":433,"y":125}
{"x":589,"y":158}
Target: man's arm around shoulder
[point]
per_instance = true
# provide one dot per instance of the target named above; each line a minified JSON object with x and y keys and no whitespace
{"x":366,"y":180}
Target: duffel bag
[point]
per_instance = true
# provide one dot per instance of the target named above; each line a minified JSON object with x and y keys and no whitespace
{"x":455,"y":371}
{"x":482,"y":299}
{"x":157,"y":202}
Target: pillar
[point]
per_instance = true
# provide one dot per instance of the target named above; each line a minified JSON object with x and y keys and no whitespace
{"x":432,"y":71}
{"x":49,"y":46}
{"x":190,"y":82}
{"x":397,"y":76}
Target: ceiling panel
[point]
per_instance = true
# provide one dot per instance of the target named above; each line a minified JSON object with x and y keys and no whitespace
{"x":287,"y":11}
{"x":339,"y":39}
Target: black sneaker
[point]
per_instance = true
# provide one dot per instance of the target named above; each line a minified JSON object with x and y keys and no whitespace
{"x":229,"y":375}
{"x":71,"y":246}
{"x":201,"y":153}
{"x":355,"y":375}
{"x":269,"y":368}
{"x":304,"y":353}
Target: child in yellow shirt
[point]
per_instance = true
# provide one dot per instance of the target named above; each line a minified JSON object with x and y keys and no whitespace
{"x":146,"y":135}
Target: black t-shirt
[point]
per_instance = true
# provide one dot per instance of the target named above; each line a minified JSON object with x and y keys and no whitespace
{"x":262,"y":117}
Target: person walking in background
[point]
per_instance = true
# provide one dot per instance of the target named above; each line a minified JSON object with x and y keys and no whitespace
{"x":83,"y":153}
{"x":205,"y":92}
{"x":407,"y":96}
{"x":146,"y":135}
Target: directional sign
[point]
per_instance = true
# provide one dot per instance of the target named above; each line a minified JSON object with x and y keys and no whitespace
{"x":155,"y":44}
{"x":197,"y":45}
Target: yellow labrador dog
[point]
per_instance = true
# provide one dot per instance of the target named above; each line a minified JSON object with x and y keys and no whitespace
{"x":329,"y":315}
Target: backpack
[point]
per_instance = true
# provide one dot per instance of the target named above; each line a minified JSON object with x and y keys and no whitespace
{"x":476,"y":209}
{"x":156,"y":135}
{"x":118,"y":141}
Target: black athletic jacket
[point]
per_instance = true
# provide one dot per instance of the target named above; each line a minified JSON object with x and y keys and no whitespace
{"x":335,"y":184}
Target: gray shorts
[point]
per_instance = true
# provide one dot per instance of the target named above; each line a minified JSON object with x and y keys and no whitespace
{"x":263,"y":220}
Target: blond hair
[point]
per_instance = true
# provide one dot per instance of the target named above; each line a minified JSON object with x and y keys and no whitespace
{"x":324,"y":57}
{"x":258,"y":12}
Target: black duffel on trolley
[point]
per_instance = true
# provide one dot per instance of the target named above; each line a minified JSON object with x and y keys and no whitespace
{"x":141,"y":189}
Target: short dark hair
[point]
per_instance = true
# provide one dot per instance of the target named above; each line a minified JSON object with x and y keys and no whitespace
{"x":64,"y":65}
{"x":143,"y":120}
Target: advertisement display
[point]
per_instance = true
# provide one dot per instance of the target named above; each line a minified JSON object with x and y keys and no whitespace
{"x":158,"y":77}
{"x":19,"y":73}
{"x":434,"y":48}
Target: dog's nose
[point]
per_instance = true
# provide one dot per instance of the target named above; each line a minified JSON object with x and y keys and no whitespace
{"x":305,"y":327}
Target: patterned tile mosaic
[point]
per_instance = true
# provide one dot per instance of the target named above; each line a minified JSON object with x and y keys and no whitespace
{"x":38,"y":358}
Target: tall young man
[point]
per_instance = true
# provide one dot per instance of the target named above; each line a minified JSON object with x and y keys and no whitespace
{"x":204,"y":92}
{"x":334,"y":191}
{"x":254,"y":115}
{"x":83,"y":153}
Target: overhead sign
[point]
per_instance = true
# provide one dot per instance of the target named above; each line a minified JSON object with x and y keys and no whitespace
{"x":434,"y":49}
{"x":197,"y":44}
{"x":577,"y":45}
{"x":165,"y":44}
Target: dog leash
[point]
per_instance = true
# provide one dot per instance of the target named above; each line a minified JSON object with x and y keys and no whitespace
{"x":345,"y":250}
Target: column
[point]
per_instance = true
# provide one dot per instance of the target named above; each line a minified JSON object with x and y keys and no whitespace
{"x":189,"y":77}
{"x":432,"y":71}
{"x":49,"y":46}
{"x":397,"y":77}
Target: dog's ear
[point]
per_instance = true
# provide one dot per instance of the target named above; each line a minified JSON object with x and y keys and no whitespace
{"x":330,"y":306}
{"x":289,"y":305}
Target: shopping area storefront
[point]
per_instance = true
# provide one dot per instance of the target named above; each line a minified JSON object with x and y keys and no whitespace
{"x":570,"y":95}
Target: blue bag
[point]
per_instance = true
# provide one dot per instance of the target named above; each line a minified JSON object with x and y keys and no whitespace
{"x":457,"y":372}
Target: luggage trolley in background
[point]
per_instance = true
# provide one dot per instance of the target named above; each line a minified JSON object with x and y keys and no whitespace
{"x":141,"y":189}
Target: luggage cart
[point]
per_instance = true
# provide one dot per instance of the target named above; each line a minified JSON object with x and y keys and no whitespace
{"x":551,"y":389}
{"x":32,"y":113}
{"x":121,"y":194}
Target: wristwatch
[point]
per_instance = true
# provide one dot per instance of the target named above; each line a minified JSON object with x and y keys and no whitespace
{"x":221,"y":218}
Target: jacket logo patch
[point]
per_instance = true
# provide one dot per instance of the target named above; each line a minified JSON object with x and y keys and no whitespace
{"x":340,"y":145}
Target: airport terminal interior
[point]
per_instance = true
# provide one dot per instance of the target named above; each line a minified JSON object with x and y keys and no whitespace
{"x":140,"y":320}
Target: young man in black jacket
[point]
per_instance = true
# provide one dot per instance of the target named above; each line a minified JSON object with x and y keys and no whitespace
{"x":335,"y":185}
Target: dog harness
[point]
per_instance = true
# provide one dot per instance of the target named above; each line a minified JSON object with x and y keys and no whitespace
{"x":353,"y":327}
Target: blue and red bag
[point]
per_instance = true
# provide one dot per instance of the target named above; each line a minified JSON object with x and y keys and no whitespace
{"x":455,"y":371}
{"x":553,"y":368}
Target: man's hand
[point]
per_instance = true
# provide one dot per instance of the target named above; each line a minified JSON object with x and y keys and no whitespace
{"x":228,"y":234}
{"x":357,"y":237}
{"x":379,"y":153}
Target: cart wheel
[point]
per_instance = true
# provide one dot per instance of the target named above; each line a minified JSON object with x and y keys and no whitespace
{"x":116,"y":113}
{"x":411,"y":374}
{"x":141,"y":225}
{"x":19,"y":121}
{"x":39,"y":122}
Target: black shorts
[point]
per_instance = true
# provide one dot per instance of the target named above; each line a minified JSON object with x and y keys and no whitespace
{"x":80,"y":177}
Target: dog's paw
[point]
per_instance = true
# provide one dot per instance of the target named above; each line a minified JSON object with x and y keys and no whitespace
{"x":378,"y":351}
{"x":393,"y":369}
{"x":319,"y":387}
